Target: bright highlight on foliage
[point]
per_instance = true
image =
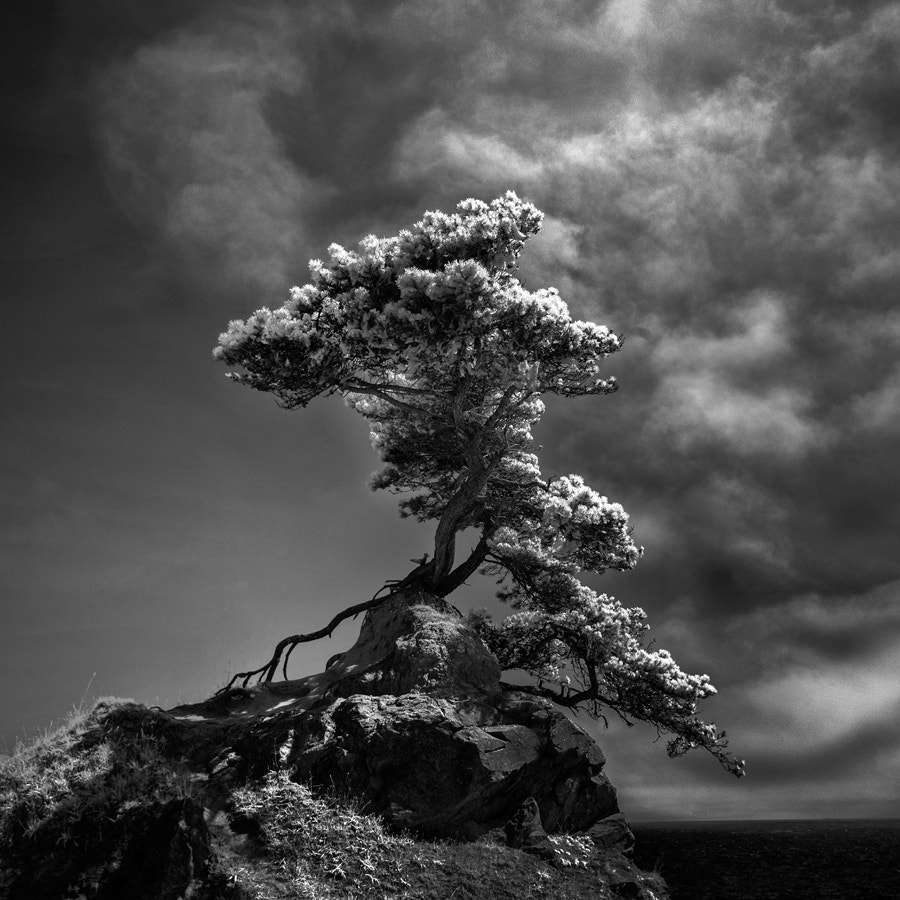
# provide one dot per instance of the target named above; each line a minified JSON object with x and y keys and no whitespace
{"x":430,"y":336}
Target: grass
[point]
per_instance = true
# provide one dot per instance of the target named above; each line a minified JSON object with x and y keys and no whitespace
{"x":318,"y":847}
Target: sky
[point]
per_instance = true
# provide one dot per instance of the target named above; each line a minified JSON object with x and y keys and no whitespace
{"x":720,"y":180}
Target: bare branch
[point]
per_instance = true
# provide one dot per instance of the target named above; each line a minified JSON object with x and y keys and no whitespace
{"x":378,"y":392}
{"x":362,"y":386}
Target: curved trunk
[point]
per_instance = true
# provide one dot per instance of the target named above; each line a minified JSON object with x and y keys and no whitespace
{"x":453,"y":518}
{"x":464,"y":569}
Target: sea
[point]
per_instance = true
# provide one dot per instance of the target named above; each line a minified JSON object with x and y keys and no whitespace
{"x":823,"y":859}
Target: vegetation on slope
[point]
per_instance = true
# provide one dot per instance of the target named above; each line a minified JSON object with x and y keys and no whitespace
{"x":67,"y":786}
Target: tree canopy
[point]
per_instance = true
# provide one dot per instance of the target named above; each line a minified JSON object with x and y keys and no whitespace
{"x":431,"y":337}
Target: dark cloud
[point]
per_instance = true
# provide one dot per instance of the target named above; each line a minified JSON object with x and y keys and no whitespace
{"x":846,"y":91}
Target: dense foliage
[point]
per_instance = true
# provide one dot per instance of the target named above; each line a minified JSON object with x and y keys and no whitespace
{"x":430,"y":336}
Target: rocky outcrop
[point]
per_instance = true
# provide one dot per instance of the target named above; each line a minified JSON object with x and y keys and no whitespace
{"x":453,"y":767}
{"x":413,"y":720}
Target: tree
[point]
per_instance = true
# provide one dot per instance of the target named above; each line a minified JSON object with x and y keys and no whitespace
{"x":430,"y":336}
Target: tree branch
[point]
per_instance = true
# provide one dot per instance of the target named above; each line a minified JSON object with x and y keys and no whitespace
{"x":361,"y":385}
{"x":378,"y":392}
{"x":571,"y":700}
{"x":501,"y":408}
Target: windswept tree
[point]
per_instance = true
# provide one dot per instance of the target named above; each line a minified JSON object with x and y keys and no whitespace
{"x":430,"y":336}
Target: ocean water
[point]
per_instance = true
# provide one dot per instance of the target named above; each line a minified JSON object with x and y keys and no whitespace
{"x":826,"y":859}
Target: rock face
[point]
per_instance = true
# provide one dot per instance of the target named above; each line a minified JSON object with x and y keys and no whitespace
{"x":413,"y":720}
{"x":453,"y":766}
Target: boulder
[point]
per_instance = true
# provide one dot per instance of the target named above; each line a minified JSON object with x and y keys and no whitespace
{"x":453,"y":766}
{"x":612,"y":833}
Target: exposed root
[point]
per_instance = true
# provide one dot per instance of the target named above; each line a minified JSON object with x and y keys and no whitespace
{"x":283,"y":649}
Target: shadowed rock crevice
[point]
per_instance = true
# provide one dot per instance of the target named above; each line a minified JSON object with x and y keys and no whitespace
{"x":157,"y":851}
